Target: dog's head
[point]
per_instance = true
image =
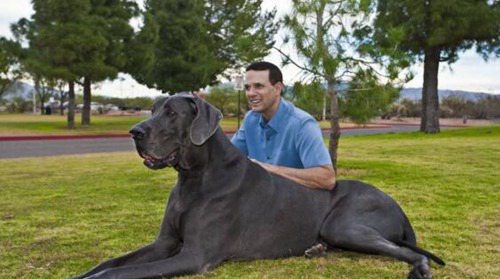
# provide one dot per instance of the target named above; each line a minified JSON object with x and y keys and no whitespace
{"x":177,"y":123}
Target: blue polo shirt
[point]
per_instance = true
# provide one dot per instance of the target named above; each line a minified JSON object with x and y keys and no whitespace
{"x":292,"y":138}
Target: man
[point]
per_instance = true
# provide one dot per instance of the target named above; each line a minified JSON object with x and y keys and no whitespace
{"x":280,"y":137}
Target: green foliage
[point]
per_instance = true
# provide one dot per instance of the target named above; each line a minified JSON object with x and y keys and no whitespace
{"x":9,"y":57}
{"x":451,"y":26}
{"x":334,"y":38}
{"x":484,"y":108}
{"x":451,"y":107}
{"x":185,"y":45}
{"x":436,"y":31}
{"x":56,"y":224}
{"x":73,"y":40}
{"x":409,"y":108}
{"x":311,"y":98}
{"x":143,"y":103}
{"x":18,"y":105}
{"x":225,"y":98}
{"x":366,"y":98}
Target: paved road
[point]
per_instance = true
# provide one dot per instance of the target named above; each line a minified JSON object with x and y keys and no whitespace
{"x":40,"y":148}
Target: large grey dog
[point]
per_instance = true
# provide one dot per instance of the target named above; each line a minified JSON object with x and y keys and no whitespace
{"x":225,"y":207}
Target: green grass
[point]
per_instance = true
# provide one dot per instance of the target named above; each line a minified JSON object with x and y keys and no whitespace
{"x":61,"y":215}
{"x":27,"y":124}
{"x":16,"y":124}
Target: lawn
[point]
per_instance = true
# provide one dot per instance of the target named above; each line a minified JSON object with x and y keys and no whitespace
{"x":61,"y":215}
{"x":28,"y":124}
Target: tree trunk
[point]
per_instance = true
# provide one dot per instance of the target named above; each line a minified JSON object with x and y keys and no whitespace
{"x":61,"y":105}
{"x":430,"y":100}
{"x":334,"y":122}
{"x":62,"y":97}
{"x":71,"y":105}
{"x":86,"y":102}
{"x":323,"y":115}
{"x":42,"y":105}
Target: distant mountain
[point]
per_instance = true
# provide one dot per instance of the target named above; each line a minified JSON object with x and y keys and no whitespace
{"x":18,"y":89}
{"x":415,"y":94}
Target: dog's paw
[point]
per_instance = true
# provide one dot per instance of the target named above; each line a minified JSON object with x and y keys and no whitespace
{"x":420,"y":271}
{"x":318,"y":250}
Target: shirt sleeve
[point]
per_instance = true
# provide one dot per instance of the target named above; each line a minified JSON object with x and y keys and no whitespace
{"x":310,"y":145}
{"x":239,"y":139}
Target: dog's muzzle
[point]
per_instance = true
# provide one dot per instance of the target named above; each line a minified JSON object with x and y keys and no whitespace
{"x":171,"y":160}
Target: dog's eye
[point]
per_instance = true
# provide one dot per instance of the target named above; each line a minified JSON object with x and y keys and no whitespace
{"x":170,"y":113}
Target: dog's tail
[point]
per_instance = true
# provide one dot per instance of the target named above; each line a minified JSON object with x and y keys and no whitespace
{"x":422,"y":252}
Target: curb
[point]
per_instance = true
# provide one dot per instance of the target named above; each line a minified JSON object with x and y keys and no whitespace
{"x":100,"y":136}
{"x":62,"y":137}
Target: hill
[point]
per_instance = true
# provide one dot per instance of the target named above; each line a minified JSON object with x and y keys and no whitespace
{"x":415,"y":94}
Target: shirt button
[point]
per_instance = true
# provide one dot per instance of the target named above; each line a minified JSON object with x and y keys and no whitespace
{"x":269,"y":158}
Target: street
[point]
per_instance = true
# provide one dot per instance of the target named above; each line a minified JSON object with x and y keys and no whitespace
{"x":53,"y":147}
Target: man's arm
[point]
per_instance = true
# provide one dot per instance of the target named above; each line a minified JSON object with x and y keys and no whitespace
{"x":322,"y":177}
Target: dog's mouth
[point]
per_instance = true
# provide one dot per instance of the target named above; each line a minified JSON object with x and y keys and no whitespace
{"x":171,"y":160}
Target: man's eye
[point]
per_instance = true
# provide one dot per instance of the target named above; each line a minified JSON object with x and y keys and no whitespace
{"x":247,"y":87}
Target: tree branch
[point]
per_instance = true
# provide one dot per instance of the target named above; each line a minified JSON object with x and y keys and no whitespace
{"x":303,"y":68}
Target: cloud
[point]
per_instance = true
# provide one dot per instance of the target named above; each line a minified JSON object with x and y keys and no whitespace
{"x":12,"y":11}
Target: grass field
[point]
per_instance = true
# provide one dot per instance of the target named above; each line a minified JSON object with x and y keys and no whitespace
{"x":27,"y":124}
{"x":61,"y":215}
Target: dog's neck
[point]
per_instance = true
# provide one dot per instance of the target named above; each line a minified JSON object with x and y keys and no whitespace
{"x":216,"y":152}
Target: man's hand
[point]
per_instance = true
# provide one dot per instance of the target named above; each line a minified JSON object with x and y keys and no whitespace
{"x":322,"y":177}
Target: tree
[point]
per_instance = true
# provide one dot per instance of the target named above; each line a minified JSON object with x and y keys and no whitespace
{"x":79,"y":42}
{"x":57,"y":42}
{"x":43,"y":90}
{"x":108,"y":34}
{"x":436,"y":31}
{"x":186,"y":45}
{"x":366,"y":98}
{"x":62,"y":95}
{"x":9,"y":64}
{"x":311,"y":97}
{"x":225,"y":98}
{"x":333,"y":37}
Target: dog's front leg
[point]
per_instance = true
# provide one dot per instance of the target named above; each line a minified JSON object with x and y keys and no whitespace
{"x":160,"y":249}
{"x":186,"y":262}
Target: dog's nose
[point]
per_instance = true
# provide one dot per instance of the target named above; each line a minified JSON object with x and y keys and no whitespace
{"x":137,"y":133}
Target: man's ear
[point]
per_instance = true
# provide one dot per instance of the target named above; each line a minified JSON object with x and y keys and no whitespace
{"x":278,"y":86}
{"x":205,"y":122}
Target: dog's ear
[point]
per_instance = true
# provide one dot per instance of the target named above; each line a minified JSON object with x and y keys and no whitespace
{"x":205,"y":122}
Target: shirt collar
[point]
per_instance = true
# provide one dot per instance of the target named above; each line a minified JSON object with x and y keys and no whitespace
{"x":277,"y":121}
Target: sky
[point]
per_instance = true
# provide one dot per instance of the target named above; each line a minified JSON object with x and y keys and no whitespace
{"x":469,"y":73}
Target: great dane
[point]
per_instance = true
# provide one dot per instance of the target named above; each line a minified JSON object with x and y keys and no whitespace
{"x":226,"y":207}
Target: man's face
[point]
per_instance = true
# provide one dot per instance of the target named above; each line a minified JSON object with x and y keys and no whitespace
{"x":262,"y":96}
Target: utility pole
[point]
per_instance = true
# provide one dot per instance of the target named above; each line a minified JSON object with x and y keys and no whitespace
{"x":238,"y":86}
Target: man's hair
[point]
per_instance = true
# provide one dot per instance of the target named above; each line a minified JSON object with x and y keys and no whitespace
{"x":274,"y":72}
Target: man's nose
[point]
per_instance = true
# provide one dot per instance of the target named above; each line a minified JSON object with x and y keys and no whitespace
{"x":137,"y":132}
{"x":250,"y":91}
